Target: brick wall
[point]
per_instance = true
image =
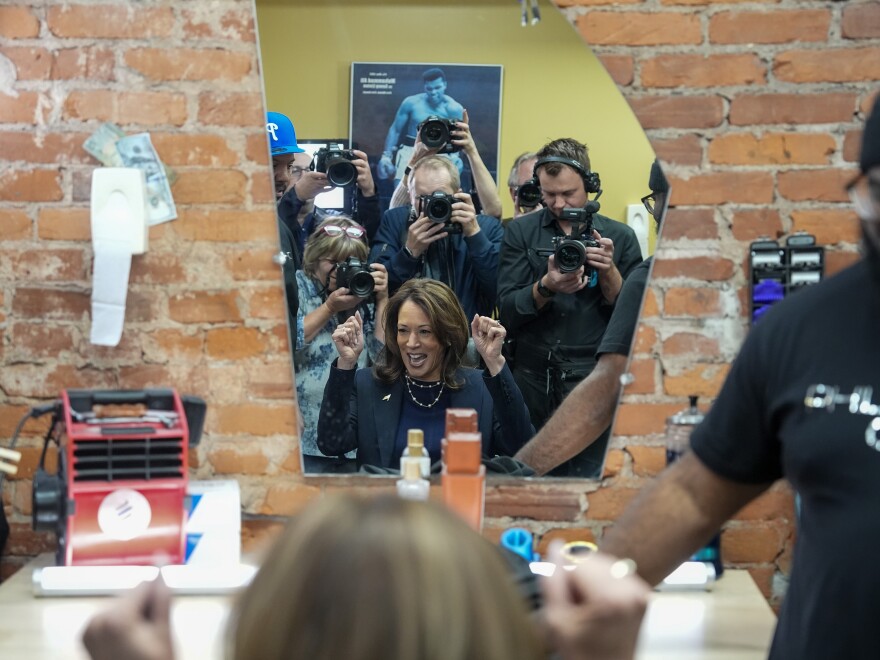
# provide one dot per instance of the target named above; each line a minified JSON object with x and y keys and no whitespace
{"x":754,"y":106}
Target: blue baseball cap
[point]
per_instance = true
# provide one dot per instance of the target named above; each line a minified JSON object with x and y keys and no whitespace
{"x":282,"y":136}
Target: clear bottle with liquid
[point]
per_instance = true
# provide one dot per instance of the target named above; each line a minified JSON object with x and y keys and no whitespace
{"x":415,"y":451}
{"x":678,"y":442}
{"x":412,"y":486}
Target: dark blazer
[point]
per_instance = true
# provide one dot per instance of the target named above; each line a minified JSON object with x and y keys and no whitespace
{"x":355,"y":413}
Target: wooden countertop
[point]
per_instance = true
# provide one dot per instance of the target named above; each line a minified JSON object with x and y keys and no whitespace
{"x":732,"y":621}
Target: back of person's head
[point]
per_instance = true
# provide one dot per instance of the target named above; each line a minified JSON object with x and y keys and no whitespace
{"x":657,"y":182}
{"x":564,"y":148}
{"x":448,"y":323}
{"x":328,"y":242}
{"x":381,"y":579}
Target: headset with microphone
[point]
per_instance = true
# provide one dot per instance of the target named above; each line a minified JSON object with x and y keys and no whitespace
{"x":529,"y":193}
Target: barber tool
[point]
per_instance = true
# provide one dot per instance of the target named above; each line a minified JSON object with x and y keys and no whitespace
{"x":520,"y":541}
{"x":776,"y":271}
{"x":118,"y":494}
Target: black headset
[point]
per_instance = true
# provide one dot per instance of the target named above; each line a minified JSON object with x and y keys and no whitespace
{"x":592,"y":184}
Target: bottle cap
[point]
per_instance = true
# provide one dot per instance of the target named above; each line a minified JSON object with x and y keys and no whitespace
{"x":690,"y":417}
{"x":415,"y":438}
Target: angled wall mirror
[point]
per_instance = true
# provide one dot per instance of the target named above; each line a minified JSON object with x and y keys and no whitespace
{"x":552,"y":86}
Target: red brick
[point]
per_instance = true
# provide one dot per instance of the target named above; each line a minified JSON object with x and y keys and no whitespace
{"x":193,"y":149}
{"x":253,"y":419}
{"x":693,"y":224}
{"x":62,"y":148}
{"x":684,"y":150}
{"x":752,"y":544}
{"x":691,"y":302}
{"x":11,"y":415}
{"x":708,"y":269}
{"x":252,"y":265}
{"x":22,"y":185}
{"x":236,"y":459}
{"x":18,"y":23}
{"x":703,"y":380}
{"x":64,"y":224}
{"x":831,"y":108}
{"x":592,"y":3}
{"x":228,"y":227}
{"x":23,"y":540}
{"x":646,"y":337}
{"x":614,"y":461}
{"x":93,"y":63}
{"x":643,"y":373}
{"x":690,"y":344}
{"x":21,"y":109}
{"x":836,"y":261}
{"x":824,"y":185}
{"x":829,"y":226}
{"x":236,"y":24}
{"x":204,"y":307}
{"x":268,"y":303}
{"x":30,"y":63}
{"x":772,"y":149}
{"x":147,"y":108}
{"x":861,"y":21}
{"x":749,"y":225}
{"x":38,"y":340}
{"x":234,"y":343}
{"x":769,"y":27}
{"x":157,"y":268}
{"x":631,"y":28}
{"x":714,"y":2}
{"x":678,"y":111}
{"x":232,"y":109}
{"x":49,"y":266}
{"x":827,"y":65}
{"x":15,"y":225}
{"x":110,"y":21}
{"x":647,"y":461}
{"x":174,"y":344}
{"x":852,"y":146}
{"x":608,"y":503}
{"x":262,"y":189}
{"x":649,"y":305}
{"x":175,"y":64}
{"x":540,"y":504}
{"x":258,"y":534}
{"x":703,"y":70}
{"x":50,"y":304}
{"x":772,"y":505}
{"x":287,"y":499}
{"x":643,"y":418}
{"x":213,"y":186}
{"x":722,"y":188}
{"x":619,"y":67}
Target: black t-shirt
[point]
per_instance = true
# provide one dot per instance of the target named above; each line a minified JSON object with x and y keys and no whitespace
{"x":802,"y":401}
{"x":622,"y":326}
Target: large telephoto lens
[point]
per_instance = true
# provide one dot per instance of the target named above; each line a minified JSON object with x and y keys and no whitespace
{"x":570,"y":255}
{"x":434,"y":133}
{"x":340,"y":171}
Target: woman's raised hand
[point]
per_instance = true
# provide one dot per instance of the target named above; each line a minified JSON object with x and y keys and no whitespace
{"x":349,"y":341}
{"x":488,"y":335}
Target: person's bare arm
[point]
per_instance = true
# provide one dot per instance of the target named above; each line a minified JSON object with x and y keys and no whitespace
{"x":676,"y":514}
{"x":483,"y":181}
{"x":582,"y":417}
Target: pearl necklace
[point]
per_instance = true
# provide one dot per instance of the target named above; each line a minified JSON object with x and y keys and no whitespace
{"x":409,"y":381}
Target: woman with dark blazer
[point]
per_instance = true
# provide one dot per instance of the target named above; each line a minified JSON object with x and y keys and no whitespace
{"x":417,"y":376}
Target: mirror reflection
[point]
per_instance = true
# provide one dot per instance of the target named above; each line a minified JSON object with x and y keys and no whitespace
{"x":536,"y":271}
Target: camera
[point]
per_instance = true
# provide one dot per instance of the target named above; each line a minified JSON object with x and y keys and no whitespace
{"x":570,"y":252}
{"x":336,"y":164}
{"x":435,"y":133}
{"x":355,"y":275}
{"x":437,"y":207}
{"x":528,"y":195}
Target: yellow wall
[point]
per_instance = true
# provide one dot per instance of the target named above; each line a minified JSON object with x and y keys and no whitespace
{"x":553,"y":86}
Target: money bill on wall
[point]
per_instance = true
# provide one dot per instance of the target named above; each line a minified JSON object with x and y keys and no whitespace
{"x":137,"y":151}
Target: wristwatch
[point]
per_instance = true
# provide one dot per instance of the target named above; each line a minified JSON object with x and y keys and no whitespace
{"x":544,"y":291}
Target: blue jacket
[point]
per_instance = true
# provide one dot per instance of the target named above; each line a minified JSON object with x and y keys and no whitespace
{"x":355,"y":413}
{"x":468,"y":265}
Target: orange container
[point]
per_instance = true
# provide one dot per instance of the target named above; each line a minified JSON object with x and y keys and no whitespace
{"x":462,"y":420}
{"x":461,"y":452}
{"x":466,"y":495}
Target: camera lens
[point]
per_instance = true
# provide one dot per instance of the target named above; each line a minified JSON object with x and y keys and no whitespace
{"x":528,"y":196}
{"x":341,"y":171}
{"x":439,"y":210}
{"x":569,"y":256}
{"x":361,"y":284}
{"x":434,"y":134}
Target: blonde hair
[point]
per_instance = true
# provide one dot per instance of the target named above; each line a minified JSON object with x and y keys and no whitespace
{"x":336,"y":248}
{"x":436,"y":163}
{"x":381,"y":579}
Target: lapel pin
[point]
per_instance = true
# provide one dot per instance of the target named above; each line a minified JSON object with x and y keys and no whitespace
{"x":386,"y":397}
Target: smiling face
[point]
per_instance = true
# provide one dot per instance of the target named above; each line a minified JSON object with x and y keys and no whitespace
{"x":420,"y":350}
{"x":287,"y":169}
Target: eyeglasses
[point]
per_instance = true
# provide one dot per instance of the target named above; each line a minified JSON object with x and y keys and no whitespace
{"x":650,"y":202}
{"x":355,"y":231}
{"x":865,"y":195}
{"x":294,"y":171}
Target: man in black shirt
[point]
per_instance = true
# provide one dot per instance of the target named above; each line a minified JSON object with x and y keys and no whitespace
{"x":586,"y":414}
{"x":801,"y":403}
{"x":557,"y":318}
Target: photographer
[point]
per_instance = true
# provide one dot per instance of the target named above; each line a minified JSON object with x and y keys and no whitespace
{"x":460,"y":251}
{"x":521,"y":171}
{"x":460,"y":136}
{"x":296,"y":185}
{"x":557,"y":314}
{"x":334,"y":270}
